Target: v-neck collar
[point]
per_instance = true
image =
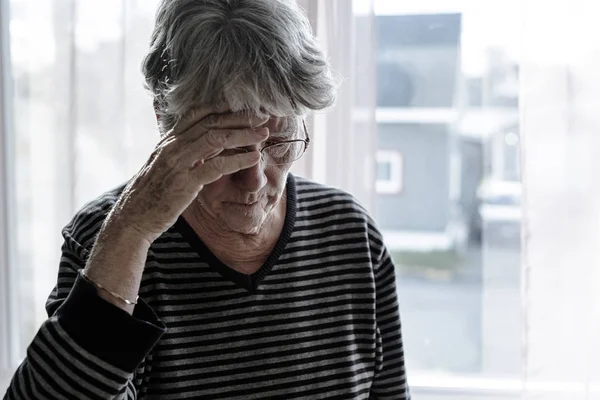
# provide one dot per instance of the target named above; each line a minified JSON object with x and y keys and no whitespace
{"x":252,"y":281}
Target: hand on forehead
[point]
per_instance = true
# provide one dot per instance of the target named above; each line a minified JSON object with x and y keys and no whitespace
{"x":223,"y":118}
{"x":220,"y":118}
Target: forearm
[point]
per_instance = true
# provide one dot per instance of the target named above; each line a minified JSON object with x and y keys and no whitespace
{"x":117,"y":262}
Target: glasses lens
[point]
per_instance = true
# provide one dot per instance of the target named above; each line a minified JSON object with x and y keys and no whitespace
{"x":284,"y":153}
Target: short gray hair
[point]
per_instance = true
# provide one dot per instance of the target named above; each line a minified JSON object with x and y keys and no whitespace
{"x":255,"y":55}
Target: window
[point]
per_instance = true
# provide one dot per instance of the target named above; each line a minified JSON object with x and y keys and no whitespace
{"x":447,"y":131}
{"x":389,"y":172}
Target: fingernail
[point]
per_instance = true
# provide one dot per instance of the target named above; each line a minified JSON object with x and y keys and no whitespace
{"x":262,"y":131}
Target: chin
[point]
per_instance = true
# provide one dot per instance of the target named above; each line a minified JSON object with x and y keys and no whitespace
{"x":244,"y":224}
{"x":244,"y":229}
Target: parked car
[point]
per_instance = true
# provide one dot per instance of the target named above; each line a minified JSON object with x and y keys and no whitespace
{"x":497,"y":220}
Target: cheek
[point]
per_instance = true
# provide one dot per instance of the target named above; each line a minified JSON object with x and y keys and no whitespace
{"x":225,"y":188}
{"x":277,"y":176}
{"x":215,"y":190}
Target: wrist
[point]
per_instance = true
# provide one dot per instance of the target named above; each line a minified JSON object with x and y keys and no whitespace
{"x":121,"y":233}
{"x":117,"y":262}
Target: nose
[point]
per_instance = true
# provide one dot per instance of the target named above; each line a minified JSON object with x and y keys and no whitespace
{"x":251,"y":179}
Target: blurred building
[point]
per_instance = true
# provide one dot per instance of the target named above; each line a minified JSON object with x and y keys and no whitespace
{"x":440,"y":133}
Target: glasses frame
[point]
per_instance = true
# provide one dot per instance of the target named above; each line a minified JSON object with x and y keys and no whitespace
{"x":306,"y":142}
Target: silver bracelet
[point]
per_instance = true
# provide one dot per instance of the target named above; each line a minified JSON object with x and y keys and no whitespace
{"x":113,"y":294}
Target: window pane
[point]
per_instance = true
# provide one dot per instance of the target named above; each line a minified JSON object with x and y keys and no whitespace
{"x":448,"y":102}
{"x":384,"y":171}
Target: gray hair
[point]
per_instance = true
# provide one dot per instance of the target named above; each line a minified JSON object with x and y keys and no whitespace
{"x":254,"y":55}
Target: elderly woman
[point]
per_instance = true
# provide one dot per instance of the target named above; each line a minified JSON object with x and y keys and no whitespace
{"x":214,"y":273}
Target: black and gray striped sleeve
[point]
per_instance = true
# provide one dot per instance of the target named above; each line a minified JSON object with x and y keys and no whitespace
{"x":87,"y":348}
{"x":390,"y":381}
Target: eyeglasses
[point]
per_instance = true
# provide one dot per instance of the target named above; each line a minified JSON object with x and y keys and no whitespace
{"x":280,"y":152}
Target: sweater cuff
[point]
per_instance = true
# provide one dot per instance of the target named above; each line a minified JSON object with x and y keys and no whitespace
{"x":105,"y":330}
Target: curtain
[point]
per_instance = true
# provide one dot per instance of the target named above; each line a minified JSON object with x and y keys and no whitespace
{"x":83,"y":123}
{"x":7,"y":299}
{"x":560,"y":99}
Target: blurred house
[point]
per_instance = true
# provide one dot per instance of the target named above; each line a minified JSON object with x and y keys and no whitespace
{"x":440,"y":133}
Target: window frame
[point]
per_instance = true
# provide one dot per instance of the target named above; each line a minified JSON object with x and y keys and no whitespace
{"x":393,"y":185}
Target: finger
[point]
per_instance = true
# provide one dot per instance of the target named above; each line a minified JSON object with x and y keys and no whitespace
{"x":220,"y":139}
{"x":195,"y":115}
{"x":215,"y":168}
{"x":218,"y":117}
{"x":241,"y":119}
{"x":228,"y":120}
{"x":215,"y":141}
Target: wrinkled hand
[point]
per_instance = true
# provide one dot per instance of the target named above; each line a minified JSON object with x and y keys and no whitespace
{"x":184,"y":161}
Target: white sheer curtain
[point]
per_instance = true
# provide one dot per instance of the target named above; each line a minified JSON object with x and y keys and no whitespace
{"x":82,"y":125}
{"x":560,"y":102}
{"x":8,"y":330}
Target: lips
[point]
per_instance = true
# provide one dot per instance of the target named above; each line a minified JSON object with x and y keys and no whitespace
{"x":243,"y":204}
{"x":250,"y":200}
{"x":246,"y":202}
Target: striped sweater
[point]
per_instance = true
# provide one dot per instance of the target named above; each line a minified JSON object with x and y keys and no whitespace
{"x":319,"y":320}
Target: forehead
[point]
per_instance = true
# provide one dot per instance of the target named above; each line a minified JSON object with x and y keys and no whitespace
{"x":282,"y":126}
